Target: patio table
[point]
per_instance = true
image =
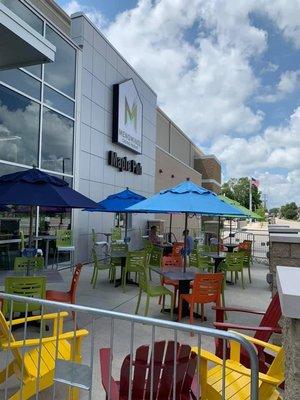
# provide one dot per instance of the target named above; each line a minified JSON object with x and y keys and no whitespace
{"x":184,"y":279}
{"x":122,"y":256}
{"x":217,"y":257}
{"x":230,"y":246}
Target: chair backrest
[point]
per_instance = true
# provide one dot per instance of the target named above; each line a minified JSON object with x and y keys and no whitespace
{"x":22,"y":242}
{"x":7,"y":337}
{"x":234,"y":261}
{"x":246,"y":245}
{"x":156,"y":256}
{"x":193,"y":258}
{"x":119,"y":248}
{"x":169,"y":261}
{"x":28,"y":286}
{"x":207,"y":287}
{"x":136,"y":260}
{"x":22,"y":263}
{"x":94,"y":237}
{"x":162,"y":380}
{"x":176,"y":249}
{"x":271,"y":318}
{"x":74,"y":282}
{"x":64,"y":238}
{"x":116,"y":234}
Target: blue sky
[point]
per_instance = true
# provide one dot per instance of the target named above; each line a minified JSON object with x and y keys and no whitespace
{"x":228,"y":74}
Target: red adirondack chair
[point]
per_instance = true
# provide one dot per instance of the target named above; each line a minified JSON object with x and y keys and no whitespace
{"x":163,"y":373}
{"x":267,"y":326}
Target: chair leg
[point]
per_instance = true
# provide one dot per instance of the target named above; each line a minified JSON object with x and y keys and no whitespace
{"x":242,"y":274}
{"x":95,"y":278}
{"x":179,"y":308}
{"x":7,"y":372}
{"x":147,"y":305}
{"x":123,"y":272}
{"x":172,"y":305}
{"x":163,"y":303}
{"x":249,"y":274}
{"x":192,"y":316}
{"x":138,"y":302}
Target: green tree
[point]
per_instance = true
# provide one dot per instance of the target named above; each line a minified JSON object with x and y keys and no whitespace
{"x":238,"y":189}
{"x":261,"y":211}
{"x":274,"y":210}
{"x":289,"y":211}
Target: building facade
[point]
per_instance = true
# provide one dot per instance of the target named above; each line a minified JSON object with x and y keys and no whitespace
{"x":76,"y":109}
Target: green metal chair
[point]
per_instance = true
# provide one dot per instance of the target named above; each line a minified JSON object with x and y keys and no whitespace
{"x":64,"y":244}
{"x":152,"y":291}
{"x":115,"y":261}
{"x":135,"y":260}
{"x":156,"y":255}
{"x":234,"y":263}
{"x":101,"y":265}
{"x":28,"y":286}
{"x":247,"y":262}
{"x":116,"y":234}
{"x":22,"y":263}
{"x":196,"y":260}
{"x":22,"y":242}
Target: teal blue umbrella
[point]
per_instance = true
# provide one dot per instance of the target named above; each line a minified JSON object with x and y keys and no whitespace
{"x":187,"y":198}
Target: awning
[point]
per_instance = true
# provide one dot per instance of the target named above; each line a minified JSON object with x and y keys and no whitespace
{"x":21,"y":45}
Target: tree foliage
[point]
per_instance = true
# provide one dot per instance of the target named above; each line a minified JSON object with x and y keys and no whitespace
{"x":274,"y":210}
{"x":238,"y":189}
{"x":289,"y":211}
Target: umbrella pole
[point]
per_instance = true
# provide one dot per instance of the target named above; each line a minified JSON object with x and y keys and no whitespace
{"x":126,"y":222}
{"x":185,"y":243}
{"x":219,"y":220}
{"x":170,"y":228}
{"x":230,"y":229}
{"x":30,"y":226}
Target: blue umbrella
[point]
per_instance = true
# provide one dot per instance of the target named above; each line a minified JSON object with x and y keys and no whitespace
{"x":187,"y":198}
{"x":36,"y":188}
{"x":118,"y":203}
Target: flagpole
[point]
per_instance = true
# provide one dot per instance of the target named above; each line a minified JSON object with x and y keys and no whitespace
{"x":250,"y":196}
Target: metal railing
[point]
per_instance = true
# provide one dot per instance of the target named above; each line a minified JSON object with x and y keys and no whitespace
{"x":260,"y":242}
{"x":122,"y":333}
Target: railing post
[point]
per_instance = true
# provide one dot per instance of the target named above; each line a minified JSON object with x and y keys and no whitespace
{"x":288,"y":289}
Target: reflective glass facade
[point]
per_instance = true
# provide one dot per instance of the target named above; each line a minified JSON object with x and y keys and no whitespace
{"x":37,"y":118}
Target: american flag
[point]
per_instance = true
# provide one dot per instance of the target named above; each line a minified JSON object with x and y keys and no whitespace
{"x":254,"y":182}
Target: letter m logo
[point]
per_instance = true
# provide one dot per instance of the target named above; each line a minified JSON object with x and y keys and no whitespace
{"x":131,"y":114}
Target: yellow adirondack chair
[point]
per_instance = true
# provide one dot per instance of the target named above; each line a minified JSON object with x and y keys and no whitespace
{"x":37,"y":375}
{"x":238,"y":377}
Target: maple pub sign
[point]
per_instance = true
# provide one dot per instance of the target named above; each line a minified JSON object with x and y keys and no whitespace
{"x":127,"y":116}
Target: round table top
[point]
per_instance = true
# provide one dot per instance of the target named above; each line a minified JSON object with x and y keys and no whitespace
{"x":215,"y":255}
{"x":233,"y":245}
{"x":177,"y":274}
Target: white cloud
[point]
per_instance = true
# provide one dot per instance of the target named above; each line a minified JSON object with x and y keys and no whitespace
{"x":288,"y":83}
{"x":94,"y":15}
{"x":206,"y":85}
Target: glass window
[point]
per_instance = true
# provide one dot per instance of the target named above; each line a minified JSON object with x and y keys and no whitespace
{"x":19,"y":128}
{"x":35,"y":70}
{"x":21,"y":81}
{"x":57,"y":142}
{"x":58,"y":101}
{"x":25,"y":14}
{"x":61,"y":73}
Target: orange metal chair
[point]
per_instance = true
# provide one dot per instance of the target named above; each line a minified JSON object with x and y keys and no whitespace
{"x":169,"y":261}
{"x":176,"y":249}
{"x":207,"y":288}
{"x":66,"y":297}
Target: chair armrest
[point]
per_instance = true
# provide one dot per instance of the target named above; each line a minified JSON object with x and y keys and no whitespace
{"x":238,"y":309}
{"x":207,"y":355}
{"x":261,"y":343}
{"x":37,"y":342}
{"x":46,"y":317}
{"x":225,"y":326}
{"x":105,"y":356}
{"x":234,"y":366}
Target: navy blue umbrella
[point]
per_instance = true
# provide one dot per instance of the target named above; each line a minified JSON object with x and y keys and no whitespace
{"x":118,"y":203}
{"x":36,"y":188}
